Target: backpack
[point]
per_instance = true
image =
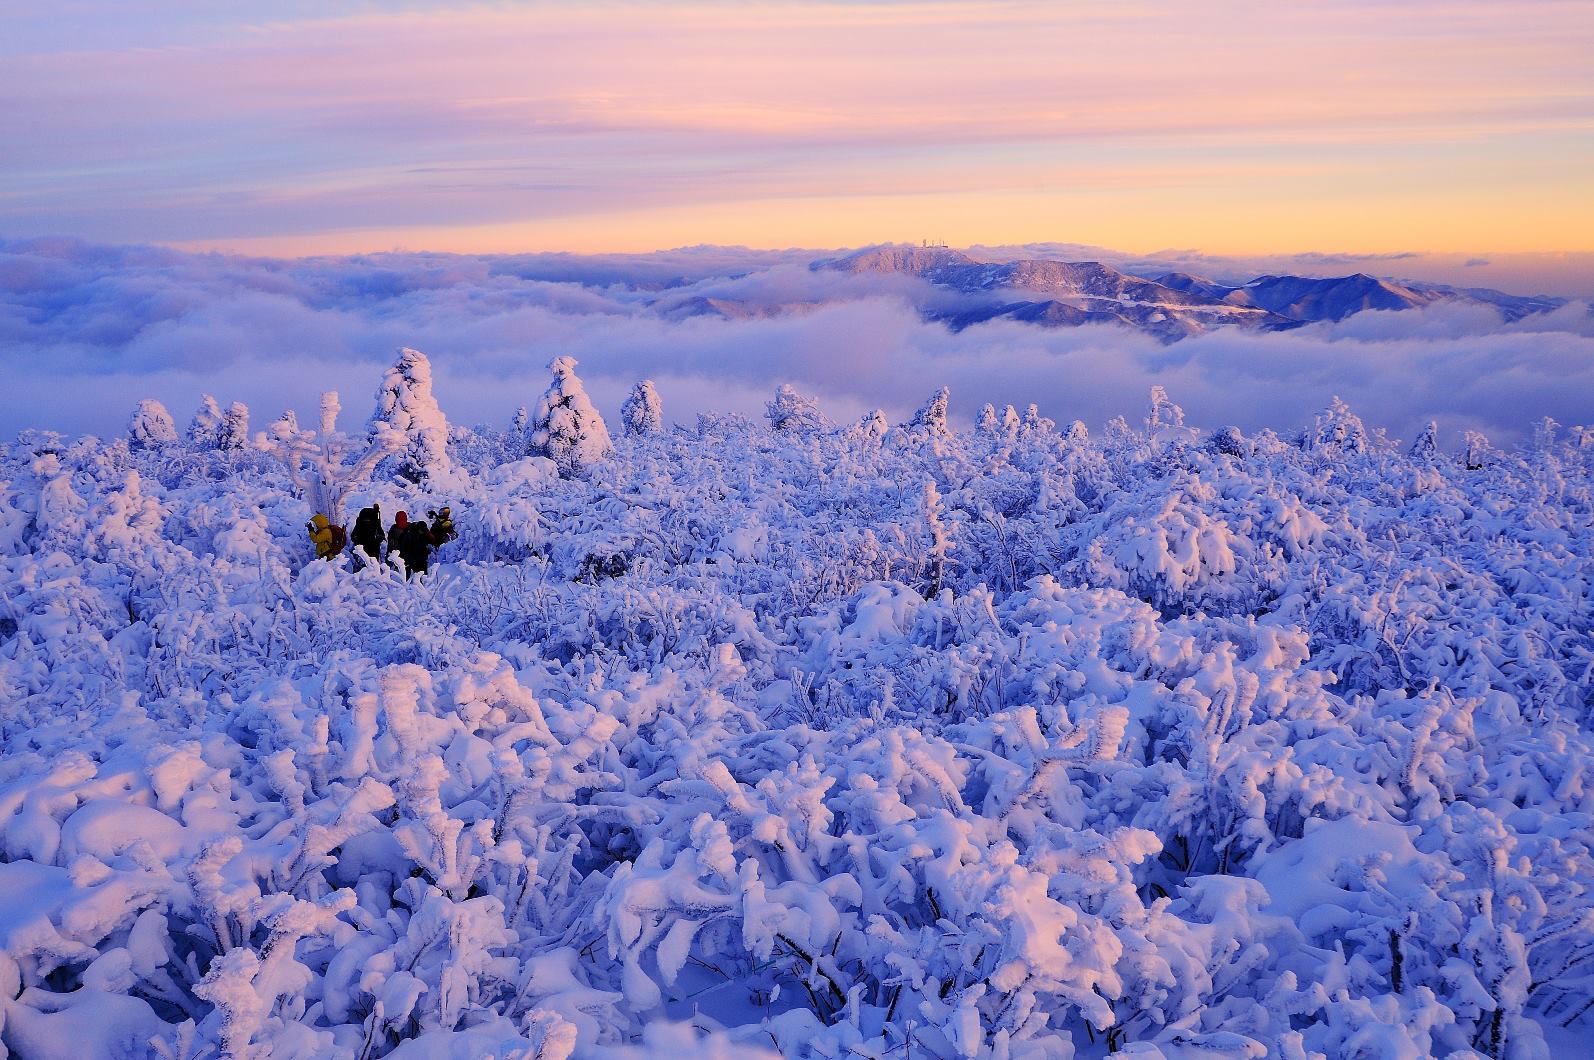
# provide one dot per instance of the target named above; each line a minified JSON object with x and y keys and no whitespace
{"x":338,"y":541}
{"x":416,"y":539}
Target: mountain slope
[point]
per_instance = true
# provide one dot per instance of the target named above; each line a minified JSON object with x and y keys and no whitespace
{"x":1171,"y":306}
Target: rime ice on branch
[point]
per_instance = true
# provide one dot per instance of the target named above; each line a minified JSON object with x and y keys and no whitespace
{"x":325,"y":465}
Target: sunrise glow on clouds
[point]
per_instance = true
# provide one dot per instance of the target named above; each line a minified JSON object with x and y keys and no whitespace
{"x":1242,"y":128}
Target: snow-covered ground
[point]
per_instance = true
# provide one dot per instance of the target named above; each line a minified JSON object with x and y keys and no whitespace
{"x":805,"y":739}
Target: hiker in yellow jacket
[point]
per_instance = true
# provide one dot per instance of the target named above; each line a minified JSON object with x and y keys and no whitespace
{"x":327,"y":539}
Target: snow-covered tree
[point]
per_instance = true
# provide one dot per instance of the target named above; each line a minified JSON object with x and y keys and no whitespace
{"x":1118,"y":437}
{"x":233,"y":432}
{"x":874,"y":424}
{"x":1337,"y":430}
{"x":1544,"y":432}
{"x":1011,"y":424}
{"x":566,"y":427}
{"x":285,"y":425}
{"x":932,"y":414}
{"x":1426,"y":447}
{"x":203,"y":429}
{"x":1476,"y":450}
{"x":642,"y":412}
{"x":988,"y":424}
{"x":325,"y":466}
{"x":405,"y":403}
{"x":1035,"y":422}
{"x":791,"y":411}
{"x":1162,"y":412}
{"x":939,"y":541}
{"x":151,"y":426}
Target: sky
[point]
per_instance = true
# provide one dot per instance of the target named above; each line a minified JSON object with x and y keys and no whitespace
{"x":1460,"y":130}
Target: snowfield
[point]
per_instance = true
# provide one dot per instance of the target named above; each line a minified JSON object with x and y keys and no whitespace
{"x":796,"y":739}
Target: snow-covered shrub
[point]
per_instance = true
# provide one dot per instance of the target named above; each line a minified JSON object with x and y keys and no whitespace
{"x":151,"y":426}
{"x":873,"y":427}
{"x":1035,"y":422}
{"x":1337,"y":431}
{"x":791,"y":411}
{"x":1229,"y":441}
{"x":839,"y":742}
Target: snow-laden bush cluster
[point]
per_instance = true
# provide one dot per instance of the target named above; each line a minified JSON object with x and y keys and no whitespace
{"x":815,"y":740}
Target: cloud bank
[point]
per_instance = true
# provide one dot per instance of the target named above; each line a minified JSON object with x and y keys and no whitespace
{"x":86,"y":330}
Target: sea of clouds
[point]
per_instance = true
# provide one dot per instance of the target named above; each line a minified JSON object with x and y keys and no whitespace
{"x":86,"y":330}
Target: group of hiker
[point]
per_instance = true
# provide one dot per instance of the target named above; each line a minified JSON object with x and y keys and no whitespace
{"x":409,"y":540}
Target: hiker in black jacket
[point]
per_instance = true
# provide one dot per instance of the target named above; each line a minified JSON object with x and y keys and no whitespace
{"x":367,"y":536}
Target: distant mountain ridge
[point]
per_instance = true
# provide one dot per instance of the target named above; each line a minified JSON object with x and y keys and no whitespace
{"x":1171,"y":306}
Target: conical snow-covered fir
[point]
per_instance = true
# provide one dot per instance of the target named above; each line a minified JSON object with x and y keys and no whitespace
{"x":1427,"y":443}
{"x":791,"y":411}
{"x":405,"y":403}
{"x":1034,"y":421}
{"x":642,"y":412}
{"x":932,"y":415}
{"x":151,"y":426}
{"x":565,"y":427}
{"x":206,"y":425}
{"x":234,"y":430}
{"x":988,"y":424}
